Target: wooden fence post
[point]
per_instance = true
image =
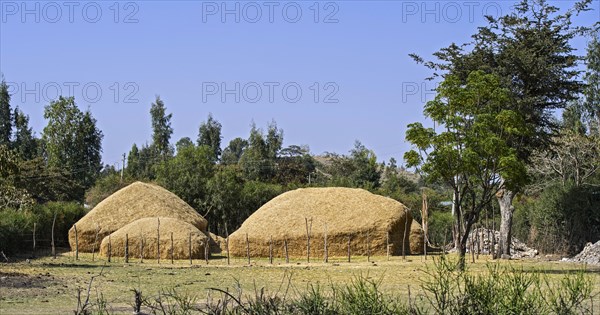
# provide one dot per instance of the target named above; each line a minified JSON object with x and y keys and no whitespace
{"x":76,"y":242}
{"x":285,"y":246}
{"x":190,"y":247}
{"x":227,"y":243}
{"x":368,"y":247}
{"x":404,"y":234}
{"x":308,"y":230}
{"x":248,"y":248}
{"x":126,"y":248}
{"x":109,"y":248}
{"x":141,"y":247}
{"x":387,"y":245}
{"x":326,"y":258}
{"x":271,"y":250}
{"x":172,"y":250}
{"x":207,"y":246}
{"x":95,"y":242}
{"x":158,"y":241}
{"x":34,"y":226}
{"x":349,"y":240}
{"x":53,"y":246}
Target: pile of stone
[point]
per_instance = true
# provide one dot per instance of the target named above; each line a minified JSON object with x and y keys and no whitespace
{"x":485,"y":241}
{"x":589,"y":255}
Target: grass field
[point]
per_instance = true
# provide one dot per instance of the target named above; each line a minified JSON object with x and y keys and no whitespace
{"x":50,"y":286}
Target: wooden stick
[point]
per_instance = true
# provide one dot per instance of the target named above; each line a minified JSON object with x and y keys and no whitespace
{"x":248,"y":249}
{"x":109,"y":248}
{"x":387,"y":245}
{"x":141,"y":247}
{"x":34,"y":226}
{"x":404,"y":236}
{"x":368,"y":248}
{"x":158,"y":241}
{"x":271,"y":250}
{"x":126,"y":248}
{"x":172,"y":250}
{"x":285,"y":246}
{"x":325,"y":249}
{"x":207,"y":247}
{"x":76,"y":242}
{"x":95,"y":242}
{"x":53,"y":247}
{"x":190,"y":247}
{"x":308,"y":230}
{"x":349,"y":239}
{"x":207,"y":250}
{"x":227,"y":242}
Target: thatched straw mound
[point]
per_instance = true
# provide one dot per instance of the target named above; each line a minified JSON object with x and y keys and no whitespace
{"x":136,"y":201}
{"x":145,"y":230}
{"x":364,"y":218}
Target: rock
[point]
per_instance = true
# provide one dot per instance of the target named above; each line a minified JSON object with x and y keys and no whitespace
{"x":589,"y":255}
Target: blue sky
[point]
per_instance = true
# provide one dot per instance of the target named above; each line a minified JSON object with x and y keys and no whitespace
{"x":354,"y":53}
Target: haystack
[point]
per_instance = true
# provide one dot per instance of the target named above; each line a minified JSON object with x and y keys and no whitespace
{"x":136,"y":201}
{"x":145,"y":230}
{"x":345,"y":214}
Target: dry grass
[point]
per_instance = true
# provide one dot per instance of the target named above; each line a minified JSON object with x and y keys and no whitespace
{"x":136,"y":201}
{"x":145,"y":230}
{"x":52,"y":284}
{"x":345,"y":213}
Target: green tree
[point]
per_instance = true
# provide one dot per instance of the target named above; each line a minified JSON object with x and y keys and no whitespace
{"x":592,"y":80}
{"x":225,"y":199}
{"x":471,"y":153}
{"x":187,"y":175}
{"x":5,"y":114}
{"x":72,"y":142}
{"x":24,"y":143}
{"x":259,"y":159}
{"x":161,"y":130}
{"x":183,"y":143}
{"x":233,"y":152}
{"x":530,"y":51}
{"x":10,"y":195}
{"x":294,"y":165}
{"x":210,"y":135}
{"x":133,"y":163}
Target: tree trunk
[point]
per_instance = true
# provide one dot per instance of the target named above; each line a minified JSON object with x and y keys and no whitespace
{"x":505,"y":198}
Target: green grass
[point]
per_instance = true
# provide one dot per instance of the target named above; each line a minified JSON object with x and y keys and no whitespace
{"x":48,"y":286}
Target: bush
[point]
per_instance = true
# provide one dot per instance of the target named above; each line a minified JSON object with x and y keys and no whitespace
{"x":561,"y":220}
{"x":16,"y":226}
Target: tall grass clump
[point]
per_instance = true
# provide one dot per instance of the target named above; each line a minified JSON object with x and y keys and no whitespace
{"x":503,"y":290}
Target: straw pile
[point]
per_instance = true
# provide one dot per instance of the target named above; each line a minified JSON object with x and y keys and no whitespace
{"x":347,"y":214}
{"x":145,"y":230}
{"x":136,"y":201}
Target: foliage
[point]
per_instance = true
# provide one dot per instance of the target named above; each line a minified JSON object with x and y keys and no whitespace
{"x":104,"y":187}
{"x":472,"y":153}
{"x":592,"y":80}
{"x":187,"y":175}
{"x":5,"y":114}
{"x":72,"y":142}
{"x":562,"y":219}
{"x":24,"y":143}
{"x":503,"y":290}
{"x":234,"y":151}
{"x":161,"y":130}
{"x":210,"y":135}
{"x":258,"y":160}
{"x":16,"y":226}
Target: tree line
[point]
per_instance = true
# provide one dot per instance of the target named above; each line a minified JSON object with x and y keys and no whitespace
{"x":497,"y":151}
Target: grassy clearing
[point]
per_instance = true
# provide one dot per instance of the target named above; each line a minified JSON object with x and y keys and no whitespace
{"x":48,"y":286}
